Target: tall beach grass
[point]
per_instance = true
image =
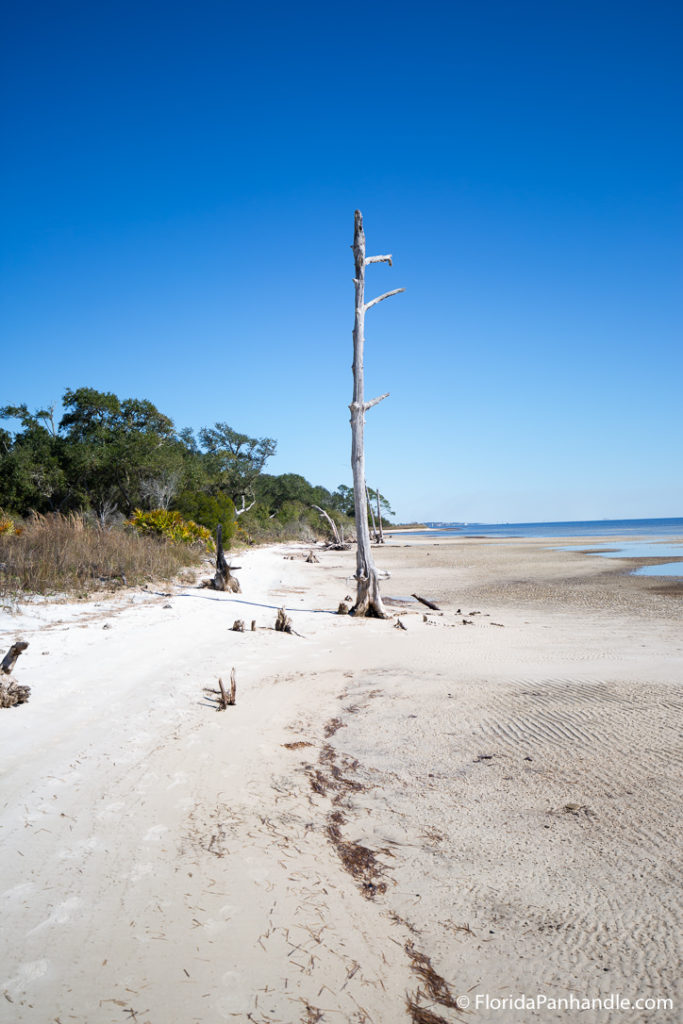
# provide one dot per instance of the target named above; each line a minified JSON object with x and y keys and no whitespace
{"x":56,"y":553}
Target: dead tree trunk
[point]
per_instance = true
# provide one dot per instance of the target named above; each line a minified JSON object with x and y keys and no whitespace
{"x":372,"y":515}
{"x":223,"y":580}
{"x":368,"y":598}
{"x":379,"y":521}
{"x":338,"y":542}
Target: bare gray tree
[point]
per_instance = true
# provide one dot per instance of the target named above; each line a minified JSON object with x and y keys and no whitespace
{"x":160,"y":490}
{"x":368,"y":598}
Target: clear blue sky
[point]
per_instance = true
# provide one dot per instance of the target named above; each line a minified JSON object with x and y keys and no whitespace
{"x":178,"y":186}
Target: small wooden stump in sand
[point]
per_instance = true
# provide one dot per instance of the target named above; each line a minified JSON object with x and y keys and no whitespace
{"x":10,"y":659}
{"x":283,"y":623}
{"x":238,"y":626}
{"x":11,"y":693}
{"x":227,"y":699}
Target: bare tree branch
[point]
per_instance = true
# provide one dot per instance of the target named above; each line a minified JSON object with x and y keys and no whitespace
{"x":375,"y":401}
{"x":379,"y":259}
{"x":381,"y":298}
{"x":239,"y":511}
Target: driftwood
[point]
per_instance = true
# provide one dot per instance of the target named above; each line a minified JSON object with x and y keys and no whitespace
{"x":283,"y":623}
{"x":368,"y":598}
{"x":344,"y":607}
{"x":312,"y":557}
{"x":227,"y":699}
{"x":11,"y":693}
{"x":238,"y":626}
{"x":429,"y":604}
{"x":10,"y":659}
{"x":223,"y":580}
{"x":399,"y":624}
{"x":253,"y":625}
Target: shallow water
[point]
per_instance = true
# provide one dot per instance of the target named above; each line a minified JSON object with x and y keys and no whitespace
{"x":667,"y":569}
{"x":641,"y":549}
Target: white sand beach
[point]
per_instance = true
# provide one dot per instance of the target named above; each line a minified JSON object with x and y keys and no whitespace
{"x":390,"y":825}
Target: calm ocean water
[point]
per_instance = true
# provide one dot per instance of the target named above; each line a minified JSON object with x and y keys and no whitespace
{"x":641,"y":528}
{"x":643,"y":537}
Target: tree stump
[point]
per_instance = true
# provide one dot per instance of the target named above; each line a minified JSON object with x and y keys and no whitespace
{"x":9,"y":661}
{"x":238,"y":626}
{"x":283,"y":623}
{"x":228,"y":699}
{"x":223,"y":580}
{"x":11,"y":693}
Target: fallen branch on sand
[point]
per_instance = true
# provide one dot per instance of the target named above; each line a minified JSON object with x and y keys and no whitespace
{"x":429,"y":604}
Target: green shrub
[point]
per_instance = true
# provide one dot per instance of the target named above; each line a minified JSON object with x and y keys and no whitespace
{"x":208,"y":510}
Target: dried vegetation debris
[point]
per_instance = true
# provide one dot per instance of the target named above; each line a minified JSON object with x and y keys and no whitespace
{"x":332,"y":777}
{"x":434,"y":991}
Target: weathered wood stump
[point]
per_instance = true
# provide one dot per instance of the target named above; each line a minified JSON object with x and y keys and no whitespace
{"x":283,"y":623}
{"x":11,"y":693}
{"x":223,"y":580}
{"x":10,"y":659}
{"x":230,"y":698}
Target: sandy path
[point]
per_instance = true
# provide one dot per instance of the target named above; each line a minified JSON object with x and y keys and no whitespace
{"x":165,"y":863}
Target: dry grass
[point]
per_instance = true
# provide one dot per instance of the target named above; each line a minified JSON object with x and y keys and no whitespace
{"x":66,"y":554}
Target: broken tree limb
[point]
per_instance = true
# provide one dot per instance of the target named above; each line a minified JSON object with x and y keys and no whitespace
{"x":381,"y":298}
{"x":10,"y":659}
{"x":429,"y":604}
{"x":378,"y":259}
{"x":245,"y":507}
{"x":375,"y":401}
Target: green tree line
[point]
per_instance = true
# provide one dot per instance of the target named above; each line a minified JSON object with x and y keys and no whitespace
{"x":109,"y":456}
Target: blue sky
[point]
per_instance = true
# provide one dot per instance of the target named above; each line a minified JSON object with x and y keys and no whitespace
{"x":179,"y":184}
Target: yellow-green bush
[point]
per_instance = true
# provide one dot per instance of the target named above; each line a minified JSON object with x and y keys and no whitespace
{"x":172,"y":526}
{"x":7,"y":525}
